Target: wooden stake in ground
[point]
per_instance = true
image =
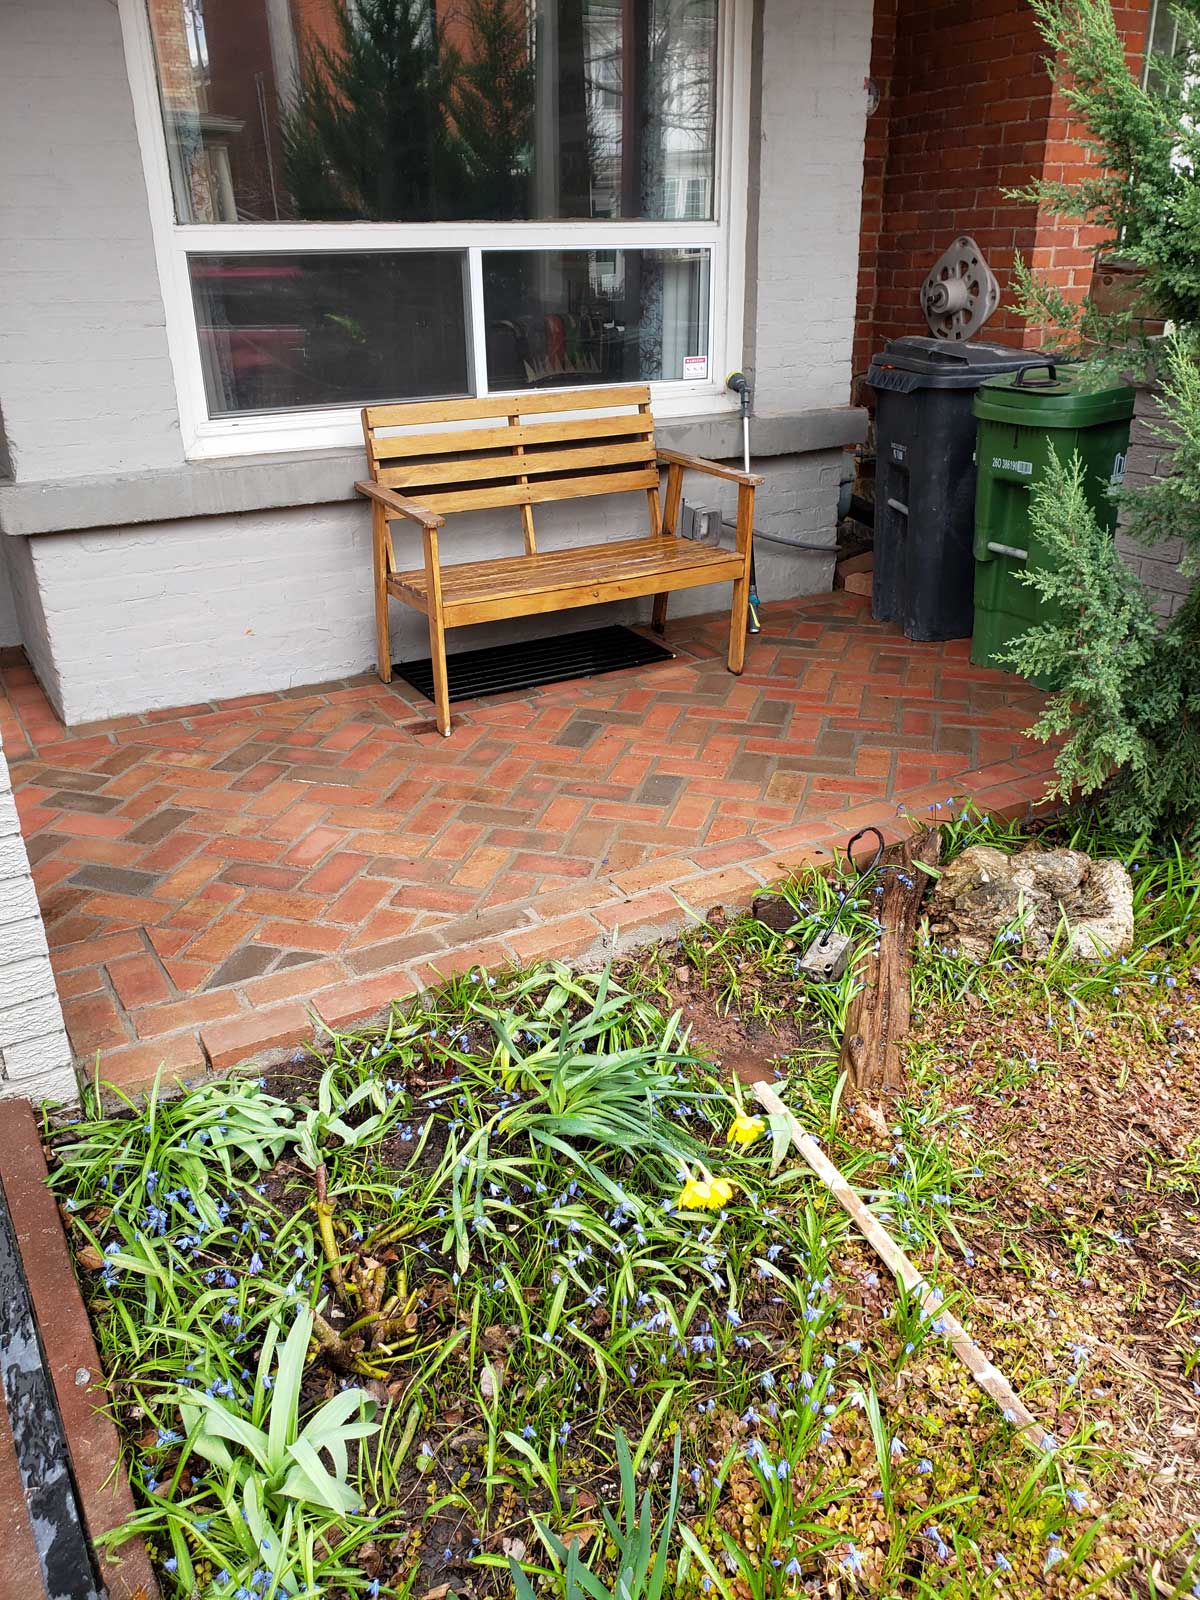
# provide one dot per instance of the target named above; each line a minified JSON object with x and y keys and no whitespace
{"x":879,"y":1012}
{"x":989,"y":1378}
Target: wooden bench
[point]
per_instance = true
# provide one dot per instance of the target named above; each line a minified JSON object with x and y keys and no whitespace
{"x":433,"y":458}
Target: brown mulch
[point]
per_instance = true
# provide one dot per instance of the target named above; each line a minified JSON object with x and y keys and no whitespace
{"x":1093,"y":1243}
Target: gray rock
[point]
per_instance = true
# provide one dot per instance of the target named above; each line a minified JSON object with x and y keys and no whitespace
{"x":983,"y":893}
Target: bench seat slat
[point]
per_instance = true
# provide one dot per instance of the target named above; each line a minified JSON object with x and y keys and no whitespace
{"x":585,"y":575}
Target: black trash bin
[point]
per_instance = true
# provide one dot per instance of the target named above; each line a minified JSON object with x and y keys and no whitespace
{"x":925,"y":480}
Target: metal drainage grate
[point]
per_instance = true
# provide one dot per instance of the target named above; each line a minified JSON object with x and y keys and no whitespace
{"x":510,"y":668}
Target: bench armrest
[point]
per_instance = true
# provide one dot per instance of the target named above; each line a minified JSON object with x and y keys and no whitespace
{"x":397,"y":506}
{"x":715,"y":469}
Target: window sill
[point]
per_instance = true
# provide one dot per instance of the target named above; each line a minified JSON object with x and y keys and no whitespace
{"x":325,"y":477}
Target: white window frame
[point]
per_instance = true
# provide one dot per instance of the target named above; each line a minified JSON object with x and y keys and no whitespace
{"x":205,"y":438}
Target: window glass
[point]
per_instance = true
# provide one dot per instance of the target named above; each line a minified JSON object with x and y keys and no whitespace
{"x":1162,"y":43}
{"x":557,"y":317}
{"x":338,"y":329}
{"x":427,"y":110}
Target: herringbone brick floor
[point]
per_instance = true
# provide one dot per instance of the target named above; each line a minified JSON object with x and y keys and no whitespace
{"x":212,"y":874}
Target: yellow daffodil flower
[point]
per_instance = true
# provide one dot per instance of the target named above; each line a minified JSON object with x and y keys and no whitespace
{"x":745,"y":1130}
{"x":705,"y":1194}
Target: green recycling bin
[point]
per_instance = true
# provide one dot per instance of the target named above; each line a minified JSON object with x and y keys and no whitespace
{"x":1022,"y":416}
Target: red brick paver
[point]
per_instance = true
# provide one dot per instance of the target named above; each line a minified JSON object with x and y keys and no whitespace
{"x":207,"y":874}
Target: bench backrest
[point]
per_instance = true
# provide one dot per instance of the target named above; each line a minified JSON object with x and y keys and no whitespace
{"x":515,"y":450}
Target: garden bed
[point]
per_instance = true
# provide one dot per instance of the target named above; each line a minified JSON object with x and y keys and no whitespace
{"x":419,"y":1314}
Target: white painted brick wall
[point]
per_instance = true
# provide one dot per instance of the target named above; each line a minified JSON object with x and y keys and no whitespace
{"x":166,"y":614}
{"x":85,"y":378}
{"x":816,"y":57}
{"x":35,"y":1057}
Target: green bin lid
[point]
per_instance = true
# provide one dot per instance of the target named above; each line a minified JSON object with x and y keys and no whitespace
{"x":1046,"y":394}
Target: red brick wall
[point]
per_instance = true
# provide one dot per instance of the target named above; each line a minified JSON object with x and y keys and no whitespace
{"x":966,"y":112}
{"x":1064,"y":252}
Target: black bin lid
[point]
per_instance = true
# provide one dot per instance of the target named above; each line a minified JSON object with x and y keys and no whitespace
{"x":919,"y":361}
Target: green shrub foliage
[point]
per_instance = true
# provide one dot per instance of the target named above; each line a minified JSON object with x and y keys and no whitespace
{"x":1128,"y":689}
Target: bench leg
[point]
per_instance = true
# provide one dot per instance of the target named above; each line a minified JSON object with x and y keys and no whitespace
{"x":741,"y":590}
{"x":441,"y":691}
{"x":658,"y":620}
{"x":437,"y":632}
{"x":383,"y":642}
{"x":738,"y":618}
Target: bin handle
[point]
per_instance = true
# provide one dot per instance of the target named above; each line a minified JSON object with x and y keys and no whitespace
{"x":1012,"y":550}
{"x":1036,"y":366}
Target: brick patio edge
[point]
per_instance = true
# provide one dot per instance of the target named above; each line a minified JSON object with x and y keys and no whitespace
{"x":70,"y":1351}
{"x":616,"y":926}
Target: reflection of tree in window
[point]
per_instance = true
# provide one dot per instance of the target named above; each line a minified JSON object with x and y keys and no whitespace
{"x":350,"y":111}
{"x":420,"y":110}
{"x":368,"y":134}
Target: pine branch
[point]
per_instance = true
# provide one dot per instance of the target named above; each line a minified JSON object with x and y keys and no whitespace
{"x":1127,"y":687}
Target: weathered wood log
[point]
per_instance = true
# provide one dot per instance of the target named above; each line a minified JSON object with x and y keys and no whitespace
{"x":879,"y":1013}
{"x":989,"y":1378}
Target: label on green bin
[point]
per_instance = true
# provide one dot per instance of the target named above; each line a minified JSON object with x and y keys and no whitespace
{"x":1006,"y":464}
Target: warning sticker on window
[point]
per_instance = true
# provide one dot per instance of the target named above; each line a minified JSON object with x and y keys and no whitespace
{"x":695,"y":368}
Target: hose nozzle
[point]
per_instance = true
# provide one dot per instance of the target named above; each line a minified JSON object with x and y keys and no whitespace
{"x":739,"y":383}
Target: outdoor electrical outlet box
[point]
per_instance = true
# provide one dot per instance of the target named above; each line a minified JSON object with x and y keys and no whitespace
{"x":826,"y":960}
{"x":708,"y":525}
{"x":702,"y":523}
